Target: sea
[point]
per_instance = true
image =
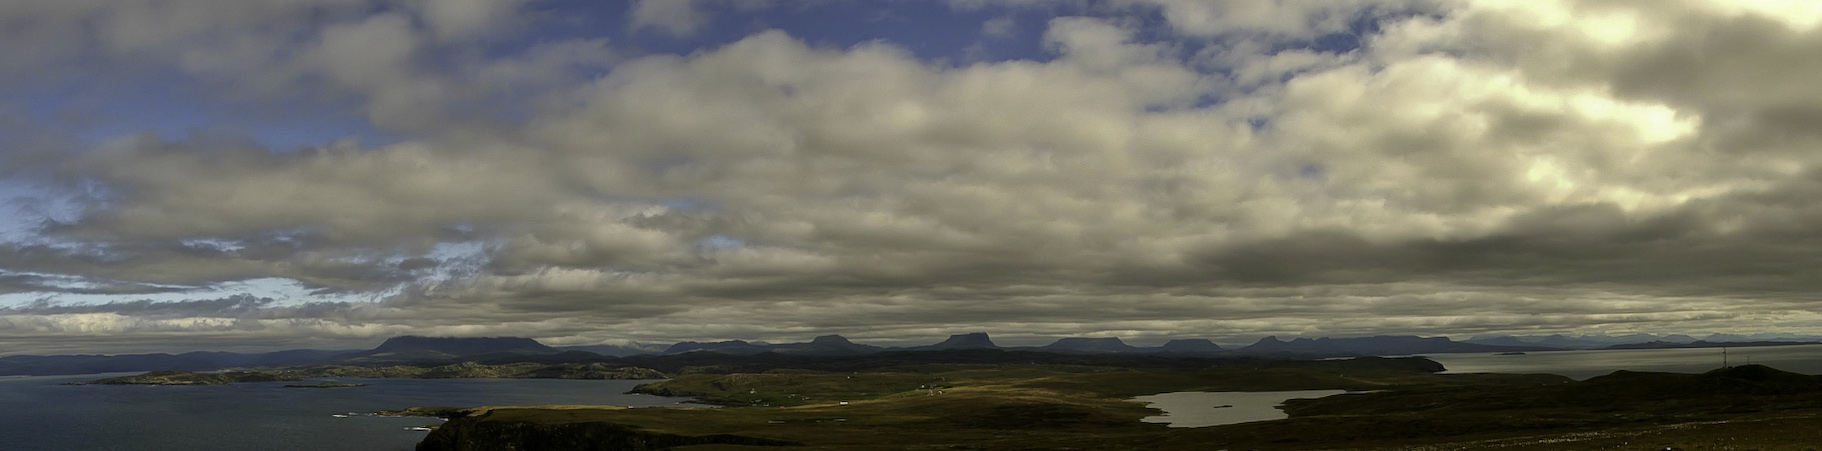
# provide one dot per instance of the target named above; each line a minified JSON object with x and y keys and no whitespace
{"x":39,"y":413}
{"x":1581,"y":365}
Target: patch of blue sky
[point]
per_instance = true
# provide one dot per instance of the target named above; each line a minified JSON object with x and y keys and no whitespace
{"x":454,"y":259}
{"x":1312,"y":171}
{"x":720,"y":241}
{"x":283,"y":291}
{"x":94,"y":110}
{"x":454,"y":250}
{"x":25,"y":207}
{"x":930,"y":30}
{"x":216,"y":244}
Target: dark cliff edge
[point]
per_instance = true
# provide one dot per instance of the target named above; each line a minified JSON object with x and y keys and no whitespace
{"x":482,"y":432}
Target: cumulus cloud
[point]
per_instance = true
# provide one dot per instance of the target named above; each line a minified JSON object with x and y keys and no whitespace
{"x":1449,"y":168}
{"x":679,"y":18}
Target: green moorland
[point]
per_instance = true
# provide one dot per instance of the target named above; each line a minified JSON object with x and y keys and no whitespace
{"x":1059,"y":407}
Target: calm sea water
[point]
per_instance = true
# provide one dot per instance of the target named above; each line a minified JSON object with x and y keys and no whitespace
{"x":36,"y":413}
{"x":1198,"y":409}
{"x":1806,"y":359}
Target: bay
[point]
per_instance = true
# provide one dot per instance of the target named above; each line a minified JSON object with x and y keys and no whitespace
{"x":38,"y":413}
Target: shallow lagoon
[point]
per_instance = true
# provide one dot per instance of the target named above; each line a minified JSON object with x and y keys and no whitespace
{"x":1198,"y":409}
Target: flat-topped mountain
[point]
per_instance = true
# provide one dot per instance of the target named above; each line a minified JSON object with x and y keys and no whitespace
{"x":976,"y":340}
{"x":826,"y":345}
{"x":416,"y":348}
{"x":1085,"y":344}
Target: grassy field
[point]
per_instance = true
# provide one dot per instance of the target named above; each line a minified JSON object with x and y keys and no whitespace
{"x":1060,"y":407}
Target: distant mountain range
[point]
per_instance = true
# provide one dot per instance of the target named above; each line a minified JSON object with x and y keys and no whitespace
{"x":414,"y":348}
{"x":191,"y":361}
{"x":418,"y":351}
{"x":1382,"y":345}
{"x":1705,"y":344}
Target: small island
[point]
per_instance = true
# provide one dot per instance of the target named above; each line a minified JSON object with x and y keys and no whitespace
{"x":326,"y":384}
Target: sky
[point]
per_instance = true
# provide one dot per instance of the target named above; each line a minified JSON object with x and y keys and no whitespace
{"x":257,"y":175}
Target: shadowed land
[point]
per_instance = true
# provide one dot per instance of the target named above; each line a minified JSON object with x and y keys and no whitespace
{"x":1043,"y":407}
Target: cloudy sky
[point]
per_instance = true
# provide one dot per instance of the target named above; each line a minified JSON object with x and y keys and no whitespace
{"x":233,"y":174}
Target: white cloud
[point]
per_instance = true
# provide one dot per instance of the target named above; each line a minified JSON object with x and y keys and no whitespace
{"x":676,"y":17}
{"x":1282,"y":19}
{"x":999,"y":27}
{"x":460,"y":19}
{"x":1491,"y":166}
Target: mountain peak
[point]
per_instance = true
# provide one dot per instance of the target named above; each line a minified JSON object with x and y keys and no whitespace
{"x":831,"y":340}
{"x":459,"y":346}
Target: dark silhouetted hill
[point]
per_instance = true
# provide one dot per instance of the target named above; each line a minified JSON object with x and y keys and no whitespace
{"x":1083,"y":344}
{"x":1380,"y":345}
{"x":827,"y":345}
{"x":1706,"y":344}
{"x":724,"y":347}
{"x":411,"y":348}
{"x":617,"y":351}
{"x":1190,"y":346}
{"x":976,"y":340}
{"x":189,"y":361}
